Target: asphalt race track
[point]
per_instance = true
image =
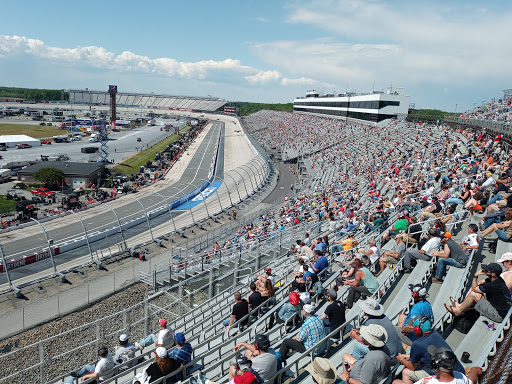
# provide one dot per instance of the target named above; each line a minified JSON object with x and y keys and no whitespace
{"x":21,"y":243}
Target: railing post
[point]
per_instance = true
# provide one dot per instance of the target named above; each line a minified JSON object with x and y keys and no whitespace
{"x":180,"y":299}
{"x":41,"y":361}
{"x":211,"y":289}
{"x":5,"y":267}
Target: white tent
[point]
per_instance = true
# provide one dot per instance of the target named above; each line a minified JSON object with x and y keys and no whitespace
{"x":11,"y":140}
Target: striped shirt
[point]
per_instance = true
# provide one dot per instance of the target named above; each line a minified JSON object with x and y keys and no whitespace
{"x":312,"y":332}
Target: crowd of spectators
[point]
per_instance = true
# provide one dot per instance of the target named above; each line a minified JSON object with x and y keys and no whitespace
{"x":496,"y":110}
{"x":379,"y":178}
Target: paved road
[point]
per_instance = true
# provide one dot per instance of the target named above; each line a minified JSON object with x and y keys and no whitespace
{"x":23,"y":242}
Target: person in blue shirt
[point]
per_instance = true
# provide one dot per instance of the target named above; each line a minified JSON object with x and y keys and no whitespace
{"x":417,"y":364}
{"x":321,"y":245}
{"x":321,"y":262}
{"x":421,"y":307}
{"x":287,"y":310}
{"x":182,"y":353}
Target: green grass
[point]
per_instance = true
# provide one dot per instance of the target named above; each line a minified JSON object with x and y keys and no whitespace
{"x":248,"y":108}
{"x":7,"y":205}
{"x":34,"y":131}
{"x":133,"y":164}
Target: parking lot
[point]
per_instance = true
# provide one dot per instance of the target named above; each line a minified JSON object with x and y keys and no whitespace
{"x":120,"y":144}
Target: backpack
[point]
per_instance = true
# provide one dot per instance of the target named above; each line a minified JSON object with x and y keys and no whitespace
{"x":465,"y":322}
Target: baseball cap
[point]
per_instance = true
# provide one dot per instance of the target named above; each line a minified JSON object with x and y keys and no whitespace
{"x":162,"y":322}
{"x":262,"y":341}
{"x":433,"y":350}
{"x":447,"y":235}
{"x":161,"y":352}
{"x":331,"y":293}
{"x":505,"y":257}
{"x":123,"y":337}
{"x":308,"y":308}
{"x":180,"y":338}
{"x":294,"y":298}
{"x":268,"y":270}
{"x":492,"y":267}
{"x":419,"y":289}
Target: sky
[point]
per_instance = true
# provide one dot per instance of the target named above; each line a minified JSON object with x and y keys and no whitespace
{"x":447,"y":55}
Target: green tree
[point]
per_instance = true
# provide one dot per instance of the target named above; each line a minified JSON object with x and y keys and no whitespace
{"x":51,"y":177}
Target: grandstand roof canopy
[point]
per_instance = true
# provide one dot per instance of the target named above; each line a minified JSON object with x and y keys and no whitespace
{"x":146,"y":100}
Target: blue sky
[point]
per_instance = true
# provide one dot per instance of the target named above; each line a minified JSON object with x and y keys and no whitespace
{"x":445,"y":54}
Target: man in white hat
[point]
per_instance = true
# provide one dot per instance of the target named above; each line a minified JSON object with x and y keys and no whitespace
{"x":322,"y":370}
{"x":125,"y":351}
{"x":376,"y":365}
{"x":375,"y":313}
{"x":506,"y":259}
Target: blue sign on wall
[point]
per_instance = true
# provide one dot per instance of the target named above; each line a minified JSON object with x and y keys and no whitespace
{"x":200,"y":196}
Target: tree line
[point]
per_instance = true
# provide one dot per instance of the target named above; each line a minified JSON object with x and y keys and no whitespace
{"x":34,"y":94}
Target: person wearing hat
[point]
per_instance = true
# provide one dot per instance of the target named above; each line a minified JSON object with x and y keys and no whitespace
{"x":290,"y":308}
{"x":102,"y":370}
{"x":443,"y":362}
{"x":322,"y":370}
{"x":400,"y":226}
{"x":334,"y":315}
{"x":425,"y":253}
{"x":452,"y":255}
{"x":125,"y":351}
{"x":417,"y":363}
{"x":183,"y":351}
{"x":375,"y":315}
{"x":390,"y":257}
{"x":310,"y":334}
{"x":263,"y":358}
{"x":506,"y":259}
{"x":375,"y":365}
{"x":496,"y":300}
{"x":420,"y":308}
{"x":165,"y":337}
{"x":162,"y":366}
{"x":242,"y":373}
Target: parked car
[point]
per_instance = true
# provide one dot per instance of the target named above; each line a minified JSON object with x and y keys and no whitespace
{"x":43,"y":192}
{"x":46,"y":142}
{"x":22,"y":146}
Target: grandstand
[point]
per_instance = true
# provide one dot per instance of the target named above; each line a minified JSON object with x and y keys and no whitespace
{"x":349,"y":174}
{"x":139,"y":100}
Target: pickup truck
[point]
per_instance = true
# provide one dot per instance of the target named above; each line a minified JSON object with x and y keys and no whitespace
{"x":22,"y":146}
{"x":43,"y":192}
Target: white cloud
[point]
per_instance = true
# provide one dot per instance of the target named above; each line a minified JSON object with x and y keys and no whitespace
{"x":262,"y":19}
{"x":299,"y":81}
{"x":404,"y":44}
{"x":207,"y":71}
{"x":263,"y":77}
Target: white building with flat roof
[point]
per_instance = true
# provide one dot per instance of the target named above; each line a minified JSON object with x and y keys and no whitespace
{"x":10,"y":141}
{"x":369,"y":108}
